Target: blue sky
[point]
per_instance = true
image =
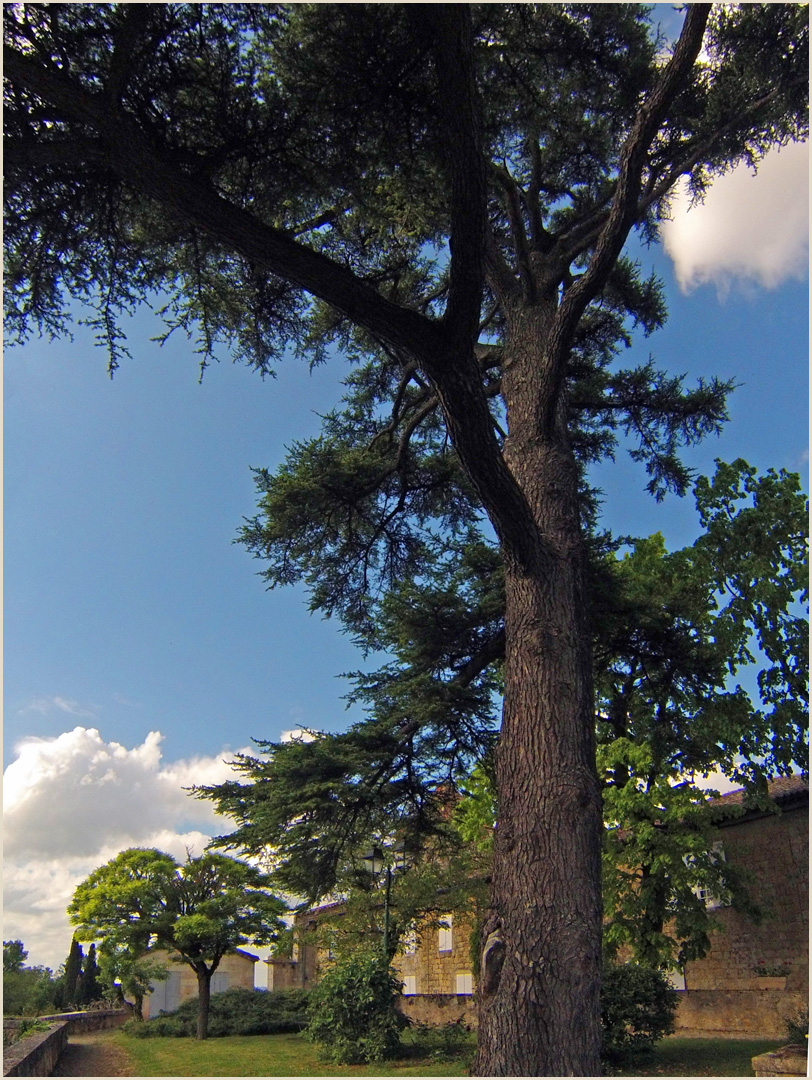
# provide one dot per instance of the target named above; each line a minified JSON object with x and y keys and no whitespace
{"x":129,"y":611}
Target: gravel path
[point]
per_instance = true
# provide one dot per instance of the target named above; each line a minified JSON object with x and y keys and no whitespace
{"x":93,"y":1055}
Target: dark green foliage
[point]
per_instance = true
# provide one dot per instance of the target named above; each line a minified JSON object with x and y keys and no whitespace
{"x":14,"y":956}
{"x":441,"y":1042}
{"x":798,"y":1027}
{"x":30,"y":992}
{"x":637,"y":1008}
{"x":71,"y":976}
{"x":234,"y":1012}
{"x":353,"y":1014}
{"x":89,"y":984}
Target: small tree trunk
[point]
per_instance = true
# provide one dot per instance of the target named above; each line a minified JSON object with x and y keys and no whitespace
{"x":539,"y":981}
{"x":203,"y":999}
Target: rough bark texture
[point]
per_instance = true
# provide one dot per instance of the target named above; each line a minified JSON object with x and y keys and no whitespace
{"x":539,"y":1000}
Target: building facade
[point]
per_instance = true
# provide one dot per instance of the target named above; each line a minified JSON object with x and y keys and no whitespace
{"x":235,"y":970}
{"x":732,"y":989}
{"x":723,"y":993}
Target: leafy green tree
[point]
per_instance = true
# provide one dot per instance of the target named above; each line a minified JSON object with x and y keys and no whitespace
{"x":469,"y":254}
{"x":143,"y":901}
{"x":681,"y":629}
{"x":219,"y":904}
{"x":14,"y":956}
{"x":128,"y":975}
{"x":29,"y":992}
{"x":26,"y":991}
{"x":407,"y":898}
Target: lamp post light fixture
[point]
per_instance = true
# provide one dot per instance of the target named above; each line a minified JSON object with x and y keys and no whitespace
{"x":374,"y":862}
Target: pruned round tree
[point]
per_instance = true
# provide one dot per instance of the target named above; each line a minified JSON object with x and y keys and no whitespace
{"x":143,"y":901}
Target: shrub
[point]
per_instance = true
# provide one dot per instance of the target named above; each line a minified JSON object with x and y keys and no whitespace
{"x":798,"y":1026}
{"x":353,"y":1014}
{"x":637,"y":1009}
{"x":234,"y":1012}
{"x":444,"y":1042}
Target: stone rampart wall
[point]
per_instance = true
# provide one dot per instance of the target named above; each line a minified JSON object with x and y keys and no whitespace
{"x":36,"y":1054}
{"x":82,"y":1022}
{"x":753,"y":1014}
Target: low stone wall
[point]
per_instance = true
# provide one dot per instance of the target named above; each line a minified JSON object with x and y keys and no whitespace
{"x":788,"y":1061}
{"x":437,"y":1009}
{"x":36,"y":1054}
{"x":80,"y":1023}
{"x":730,"y":1014}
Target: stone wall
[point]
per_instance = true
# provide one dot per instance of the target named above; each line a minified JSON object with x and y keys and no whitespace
{"x":81,"y":1022}
{"x":774,"y":849}
{"x":435,"y":970}
{"x":36,"y":1054}
{"x":731,"y":1014}
{"x":437,"y":1009}
{"x":283,"y":975}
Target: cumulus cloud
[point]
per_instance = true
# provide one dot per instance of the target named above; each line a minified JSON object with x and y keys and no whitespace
{"x":750,"y":230}
{"x":71,"y":803}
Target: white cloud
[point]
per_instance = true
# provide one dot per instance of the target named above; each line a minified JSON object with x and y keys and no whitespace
{"x":297,"y":735}
{"x":71,"y":803}
{"x":750,"y":230}
{"x":47,"y":705}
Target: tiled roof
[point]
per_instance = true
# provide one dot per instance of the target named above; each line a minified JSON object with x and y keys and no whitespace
{"x":783,"y":787}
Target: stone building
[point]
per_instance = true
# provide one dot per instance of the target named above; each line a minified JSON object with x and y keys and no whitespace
{"x":236,"y":969}
{"x":720,"y":994}
{"x":725,"y":992}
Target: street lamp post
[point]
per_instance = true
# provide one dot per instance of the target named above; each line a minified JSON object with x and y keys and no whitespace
{"x":374,"y":862}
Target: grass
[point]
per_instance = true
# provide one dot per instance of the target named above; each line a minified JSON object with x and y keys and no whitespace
{"x":258,"y":1055}
{"x":701,"y":1057}
{"x":292,"y":1055}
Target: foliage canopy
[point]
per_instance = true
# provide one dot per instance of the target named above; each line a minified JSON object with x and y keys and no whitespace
{"x":469,"y":257}
{"x":143,"y":901}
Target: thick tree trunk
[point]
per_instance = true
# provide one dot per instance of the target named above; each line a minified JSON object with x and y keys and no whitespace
{"x":203,"y":998}
{"x":540,"y":974}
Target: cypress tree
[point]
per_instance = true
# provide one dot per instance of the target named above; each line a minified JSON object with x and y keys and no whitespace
{"x":89,"y":988}
{"x":72,"y":975}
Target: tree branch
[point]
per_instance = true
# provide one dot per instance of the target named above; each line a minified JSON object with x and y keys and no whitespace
{"x":460,"y":110}
{"x":623,"y":211}
{"x":157,"y":175}
{"x":513,"y":206}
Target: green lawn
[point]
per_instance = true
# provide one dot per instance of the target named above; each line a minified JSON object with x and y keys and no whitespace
{"x":258,"y":1055}
{"x":701,"y":1057}
{"x":292,"y":1055}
